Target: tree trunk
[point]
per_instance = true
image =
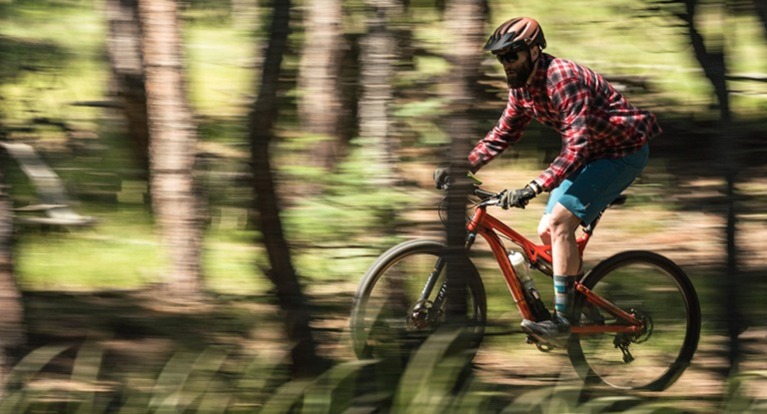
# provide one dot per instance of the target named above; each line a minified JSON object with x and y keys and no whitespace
{"x":712,"y":61}
{"x":12,"y":335}
{"x":172,"y":147}
{"x":378,"y":52}
{"x":465,"y":22}
{"x":261,"y":130}
{"x":126,"y":63}
{"x":711,"y":57}
{"x":319,"y":103}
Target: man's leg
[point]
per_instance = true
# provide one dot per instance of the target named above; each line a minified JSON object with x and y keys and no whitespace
{"x":562,"y":226}
{"x":566,"y":265}
{"x":578,"y":200}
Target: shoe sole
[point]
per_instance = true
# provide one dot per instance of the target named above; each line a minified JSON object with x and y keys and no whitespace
{"x":541,"y":339}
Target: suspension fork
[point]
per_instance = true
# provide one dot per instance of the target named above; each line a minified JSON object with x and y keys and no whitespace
{"x":431,"y":282}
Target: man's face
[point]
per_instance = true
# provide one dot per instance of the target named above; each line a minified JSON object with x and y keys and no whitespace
{"x":516,"y":64}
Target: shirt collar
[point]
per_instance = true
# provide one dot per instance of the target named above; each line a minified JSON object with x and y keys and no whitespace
{"x":539,"y":77}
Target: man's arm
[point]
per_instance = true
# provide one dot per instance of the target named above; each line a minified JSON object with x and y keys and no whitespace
{"x":507,"y":131}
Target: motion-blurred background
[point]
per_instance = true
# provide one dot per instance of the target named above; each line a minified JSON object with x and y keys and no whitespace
{"x":192,"y":190}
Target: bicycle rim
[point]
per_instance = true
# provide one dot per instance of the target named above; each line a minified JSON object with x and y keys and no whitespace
{"x":384,"y":322}
{"x":655,"y":290}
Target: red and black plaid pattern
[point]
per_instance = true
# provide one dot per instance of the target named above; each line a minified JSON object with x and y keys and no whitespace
{"x":595,"y":121}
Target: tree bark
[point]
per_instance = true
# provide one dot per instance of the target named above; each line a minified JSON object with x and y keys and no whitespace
{"x":319,"y":103}
{"x":126,"y":63}
{"x":173,"y":146}
{"x":378,"y":53}
{"x":261,"y":130}
{"x":465,"y":23}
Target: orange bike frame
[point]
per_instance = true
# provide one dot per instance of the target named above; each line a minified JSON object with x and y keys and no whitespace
{"x":489,"y":227}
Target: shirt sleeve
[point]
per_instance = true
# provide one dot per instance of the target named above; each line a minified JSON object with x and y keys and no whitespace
{"x":572,"y":99}
{"x":507,"y":131}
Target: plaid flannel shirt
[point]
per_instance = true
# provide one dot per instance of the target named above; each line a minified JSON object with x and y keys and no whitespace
{"x":594,"y":120}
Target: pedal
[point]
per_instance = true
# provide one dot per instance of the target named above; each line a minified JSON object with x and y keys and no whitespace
{"x":543,"y":347}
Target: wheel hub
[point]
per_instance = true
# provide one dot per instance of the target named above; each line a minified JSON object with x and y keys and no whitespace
{"x":647,"y":324}
{"x":421,"y":317}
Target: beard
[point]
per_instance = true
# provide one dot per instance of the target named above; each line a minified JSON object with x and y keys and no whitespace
{"x":516,"y":78}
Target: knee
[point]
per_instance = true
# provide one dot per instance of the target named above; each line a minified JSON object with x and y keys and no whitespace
{"x":562,"y":222}
{"x":544,"y":231}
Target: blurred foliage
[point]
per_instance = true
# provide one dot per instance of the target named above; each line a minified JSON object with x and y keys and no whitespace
{"x":223,"y":380}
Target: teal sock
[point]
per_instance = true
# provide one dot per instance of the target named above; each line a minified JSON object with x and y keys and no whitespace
{"x":563,"y":295}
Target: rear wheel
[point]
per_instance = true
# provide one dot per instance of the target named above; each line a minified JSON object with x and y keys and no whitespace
{"x":657,"y":292}
{"x":398,"y":303}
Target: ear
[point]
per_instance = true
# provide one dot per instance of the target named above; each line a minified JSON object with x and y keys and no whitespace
{"x":535,"y":52}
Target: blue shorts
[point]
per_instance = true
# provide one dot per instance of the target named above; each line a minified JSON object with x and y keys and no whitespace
{"x":591,"y":188}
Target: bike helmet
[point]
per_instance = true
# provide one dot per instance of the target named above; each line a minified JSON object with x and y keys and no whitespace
{"x":517,"y":33}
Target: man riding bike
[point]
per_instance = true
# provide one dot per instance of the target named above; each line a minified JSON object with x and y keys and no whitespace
{"x":604,"y":148}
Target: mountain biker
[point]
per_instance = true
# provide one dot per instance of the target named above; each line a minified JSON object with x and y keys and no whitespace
{"x":604,"y":148}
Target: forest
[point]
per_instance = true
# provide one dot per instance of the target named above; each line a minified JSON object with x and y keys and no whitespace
{"x":191,"y":192}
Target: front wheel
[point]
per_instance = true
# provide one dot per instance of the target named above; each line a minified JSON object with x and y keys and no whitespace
{"x":398,"y":303}
{"x":657,"y":292}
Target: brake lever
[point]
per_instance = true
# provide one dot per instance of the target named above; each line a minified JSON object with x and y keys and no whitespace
{"x":490,"y":202}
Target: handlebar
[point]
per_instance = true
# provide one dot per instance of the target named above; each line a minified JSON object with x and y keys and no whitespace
{"x":486,"y":198}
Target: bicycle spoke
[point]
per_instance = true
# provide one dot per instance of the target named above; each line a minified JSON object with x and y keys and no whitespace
{"x":397,"y":306}
{"x":651,"y":358}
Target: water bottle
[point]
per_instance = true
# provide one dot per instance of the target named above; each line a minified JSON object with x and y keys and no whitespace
{"x":522,"y":269}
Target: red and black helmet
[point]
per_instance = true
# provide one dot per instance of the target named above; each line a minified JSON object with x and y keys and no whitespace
{"x":517,"y":33}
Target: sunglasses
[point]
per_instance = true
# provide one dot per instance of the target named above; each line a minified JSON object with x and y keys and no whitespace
{"x":507,"y":57}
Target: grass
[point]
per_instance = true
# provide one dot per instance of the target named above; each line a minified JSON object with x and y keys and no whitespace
{"x":49,"y":86}
{"x":79,"y":259}
{"x":125,"y":243}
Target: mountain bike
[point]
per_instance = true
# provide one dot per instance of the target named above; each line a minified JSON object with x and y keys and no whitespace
{"x":638,"y":322}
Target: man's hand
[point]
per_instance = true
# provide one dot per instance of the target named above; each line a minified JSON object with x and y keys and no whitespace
{"x":518,"y":198}
{"x":442,"y":176}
